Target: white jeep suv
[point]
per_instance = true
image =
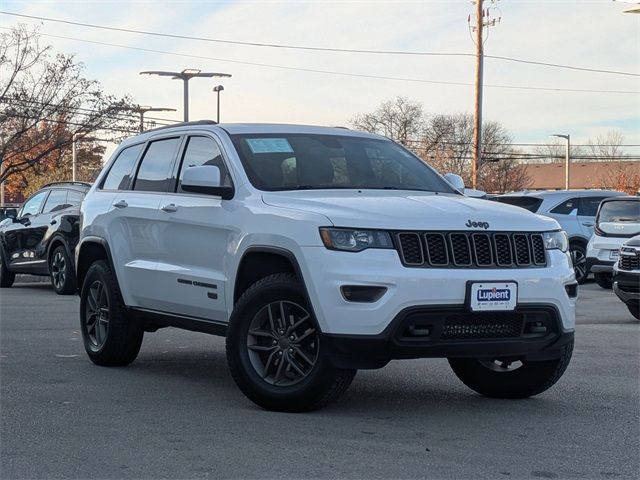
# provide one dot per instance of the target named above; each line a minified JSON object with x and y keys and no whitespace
{"x":317,"y":252}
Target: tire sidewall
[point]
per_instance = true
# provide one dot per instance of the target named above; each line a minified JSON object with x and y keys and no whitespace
{"x":579,"y":247}
{"x":97,"y":271}
{"x":66,"y":286}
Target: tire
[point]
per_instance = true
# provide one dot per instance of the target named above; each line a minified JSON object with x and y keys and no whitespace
{"x":604,"y":280}
{"x":634,"y":309}
{"x":6,"y":277}
{"x":63,"y":278}
{"x":579,"y":259}
{"x":531,"y":378}
{"x":110,"y":339}
{"x":260,"y":372}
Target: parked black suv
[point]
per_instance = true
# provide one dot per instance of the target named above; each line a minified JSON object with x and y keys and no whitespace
{"x":41,"y":238}
{"x":626,"y":276}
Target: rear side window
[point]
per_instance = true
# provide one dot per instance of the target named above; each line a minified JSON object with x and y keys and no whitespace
{"x":119,"y":177}
{"x":74,"y":198}
{"x":566,"y":207}
{"x":202,"y":151}
{"x":154,"y":174}
{"x":530,"y":203}
{"x":589,"y":206}
{"x":57,"y":200}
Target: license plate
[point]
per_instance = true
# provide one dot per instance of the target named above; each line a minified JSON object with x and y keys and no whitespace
{"x":492,"y":296}
{"x":614,"y":254}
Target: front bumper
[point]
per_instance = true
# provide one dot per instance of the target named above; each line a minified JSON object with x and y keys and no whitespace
{"x":326,"y":271}
{"x":626,"y":286}
{"x":533,"y":332}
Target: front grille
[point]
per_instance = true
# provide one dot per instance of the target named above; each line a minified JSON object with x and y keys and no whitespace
{"x":482,"y":325}
{"x":471,"y":249}
{"x":629,"y":259}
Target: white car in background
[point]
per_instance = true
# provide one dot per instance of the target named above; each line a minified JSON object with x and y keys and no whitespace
{"x":617,"y":220}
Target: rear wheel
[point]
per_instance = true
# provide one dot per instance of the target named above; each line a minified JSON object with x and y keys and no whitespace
{"x":579,"y":259}
{"x":110,"y":338}
{"x":6,"y":277}
{"x":63,"y":279}
{"x":634,"y":309}
{"x":510,"y":378}
{"x":604,"y":280}
{"x":274,"y":349}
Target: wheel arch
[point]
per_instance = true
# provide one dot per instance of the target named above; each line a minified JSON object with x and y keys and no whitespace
{"x":90,"y":250}
{"x":578,"y":240}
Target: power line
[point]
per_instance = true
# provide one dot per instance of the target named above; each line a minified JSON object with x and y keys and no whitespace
{"x":319,"y":49}
{"x":331,"y":72}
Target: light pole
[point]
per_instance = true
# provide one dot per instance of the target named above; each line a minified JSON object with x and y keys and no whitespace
{"x":567,"y":158}
{"x":142,"y":110}
{"x":218,"y":89}
{"x":185,"y":75}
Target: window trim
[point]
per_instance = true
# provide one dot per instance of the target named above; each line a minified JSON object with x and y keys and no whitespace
{"x":140,"y":159}
{"x":116,"y":156}
{"x":180,"y":161}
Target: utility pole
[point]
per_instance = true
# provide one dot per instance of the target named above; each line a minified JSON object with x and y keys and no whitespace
{"x":482,"y":20}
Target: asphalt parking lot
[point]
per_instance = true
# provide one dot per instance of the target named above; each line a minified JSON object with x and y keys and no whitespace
{"x":176,"y":413}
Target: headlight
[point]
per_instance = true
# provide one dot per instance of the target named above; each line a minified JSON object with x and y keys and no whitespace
{"x":352,"y":240}
{"x":556,"y":240}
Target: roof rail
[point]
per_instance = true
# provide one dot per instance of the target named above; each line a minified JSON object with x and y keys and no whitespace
{"x":84,"y":184}
{"x":183,"y":124}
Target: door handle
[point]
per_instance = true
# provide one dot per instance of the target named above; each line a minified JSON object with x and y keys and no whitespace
{"x":588,"y":224}
{"x":121,"y":204}
{"x":170,"y":208}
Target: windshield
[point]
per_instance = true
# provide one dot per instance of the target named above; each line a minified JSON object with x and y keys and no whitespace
{"x":308,"y":162}
{"x":530,"y":203}
{"x":620,"y":211}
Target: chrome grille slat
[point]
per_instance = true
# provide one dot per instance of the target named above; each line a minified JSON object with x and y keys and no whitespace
{"x":471,"y":249}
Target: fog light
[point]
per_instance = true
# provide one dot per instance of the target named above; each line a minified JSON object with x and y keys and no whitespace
{"x":362,"y":294}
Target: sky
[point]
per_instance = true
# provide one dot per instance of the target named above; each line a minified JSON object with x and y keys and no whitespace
{"x":593,"y":34}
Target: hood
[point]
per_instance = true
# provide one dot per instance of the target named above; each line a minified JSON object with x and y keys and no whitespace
{"x":408,"y":210}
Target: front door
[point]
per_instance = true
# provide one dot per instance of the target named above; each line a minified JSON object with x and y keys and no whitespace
{"x":195,"y":233}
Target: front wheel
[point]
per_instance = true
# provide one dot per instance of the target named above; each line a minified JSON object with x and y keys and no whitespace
{"x":275,"y":351}
{"x":510,"y":378}
{"x":634,"y":309}
{"x":6,"y":277}
{"x":579,"y":259}
{"x":604,"y":280}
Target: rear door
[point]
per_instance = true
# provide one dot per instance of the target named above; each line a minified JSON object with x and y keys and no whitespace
{"x":133,"y":222}
{"x":587,"y":213}
{"x":195,"y":233}
{"x":23,"y":241}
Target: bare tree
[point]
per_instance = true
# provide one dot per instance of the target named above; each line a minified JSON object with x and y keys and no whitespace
{"x":555,"y":151}
{"x":400,"y":119}
{"x":607,"y":147}
{"x":45,"y":103}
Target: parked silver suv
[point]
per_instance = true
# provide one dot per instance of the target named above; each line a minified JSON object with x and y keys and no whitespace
{"x":575,"y":210}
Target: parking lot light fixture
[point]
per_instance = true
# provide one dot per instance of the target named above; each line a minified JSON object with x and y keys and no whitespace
{"x":185,"y":75}
{"x":218,"y":89}
{"x":141,"y":110}
{"x":567,"y":158}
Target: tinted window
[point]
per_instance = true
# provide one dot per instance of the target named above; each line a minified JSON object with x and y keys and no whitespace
{"x":203,"y":151}
{"x":119,"y":176}
{"x":620,"y":211}
{"x":74,"y":197}
{"x":565,"y":208}
{"x":32,"y":207}
{"x":57,"y":200}
{"x":589,"y":206}
{"x":530,"y":203}
{"x":306,"y":161}
{"x":154,"y":174}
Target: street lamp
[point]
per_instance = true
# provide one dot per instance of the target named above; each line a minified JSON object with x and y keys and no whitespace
{"x":567,"y":158}
{"x":142,"y":110}
{"x":185,"y":75}
{"x":218,"y":89}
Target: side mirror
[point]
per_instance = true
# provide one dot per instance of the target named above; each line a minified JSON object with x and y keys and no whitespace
{"x":455,"y":180}
{"x":206,"y":180}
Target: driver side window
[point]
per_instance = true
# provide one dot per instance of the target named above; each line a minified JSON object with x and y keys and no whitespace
{"x":32,"y":206}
